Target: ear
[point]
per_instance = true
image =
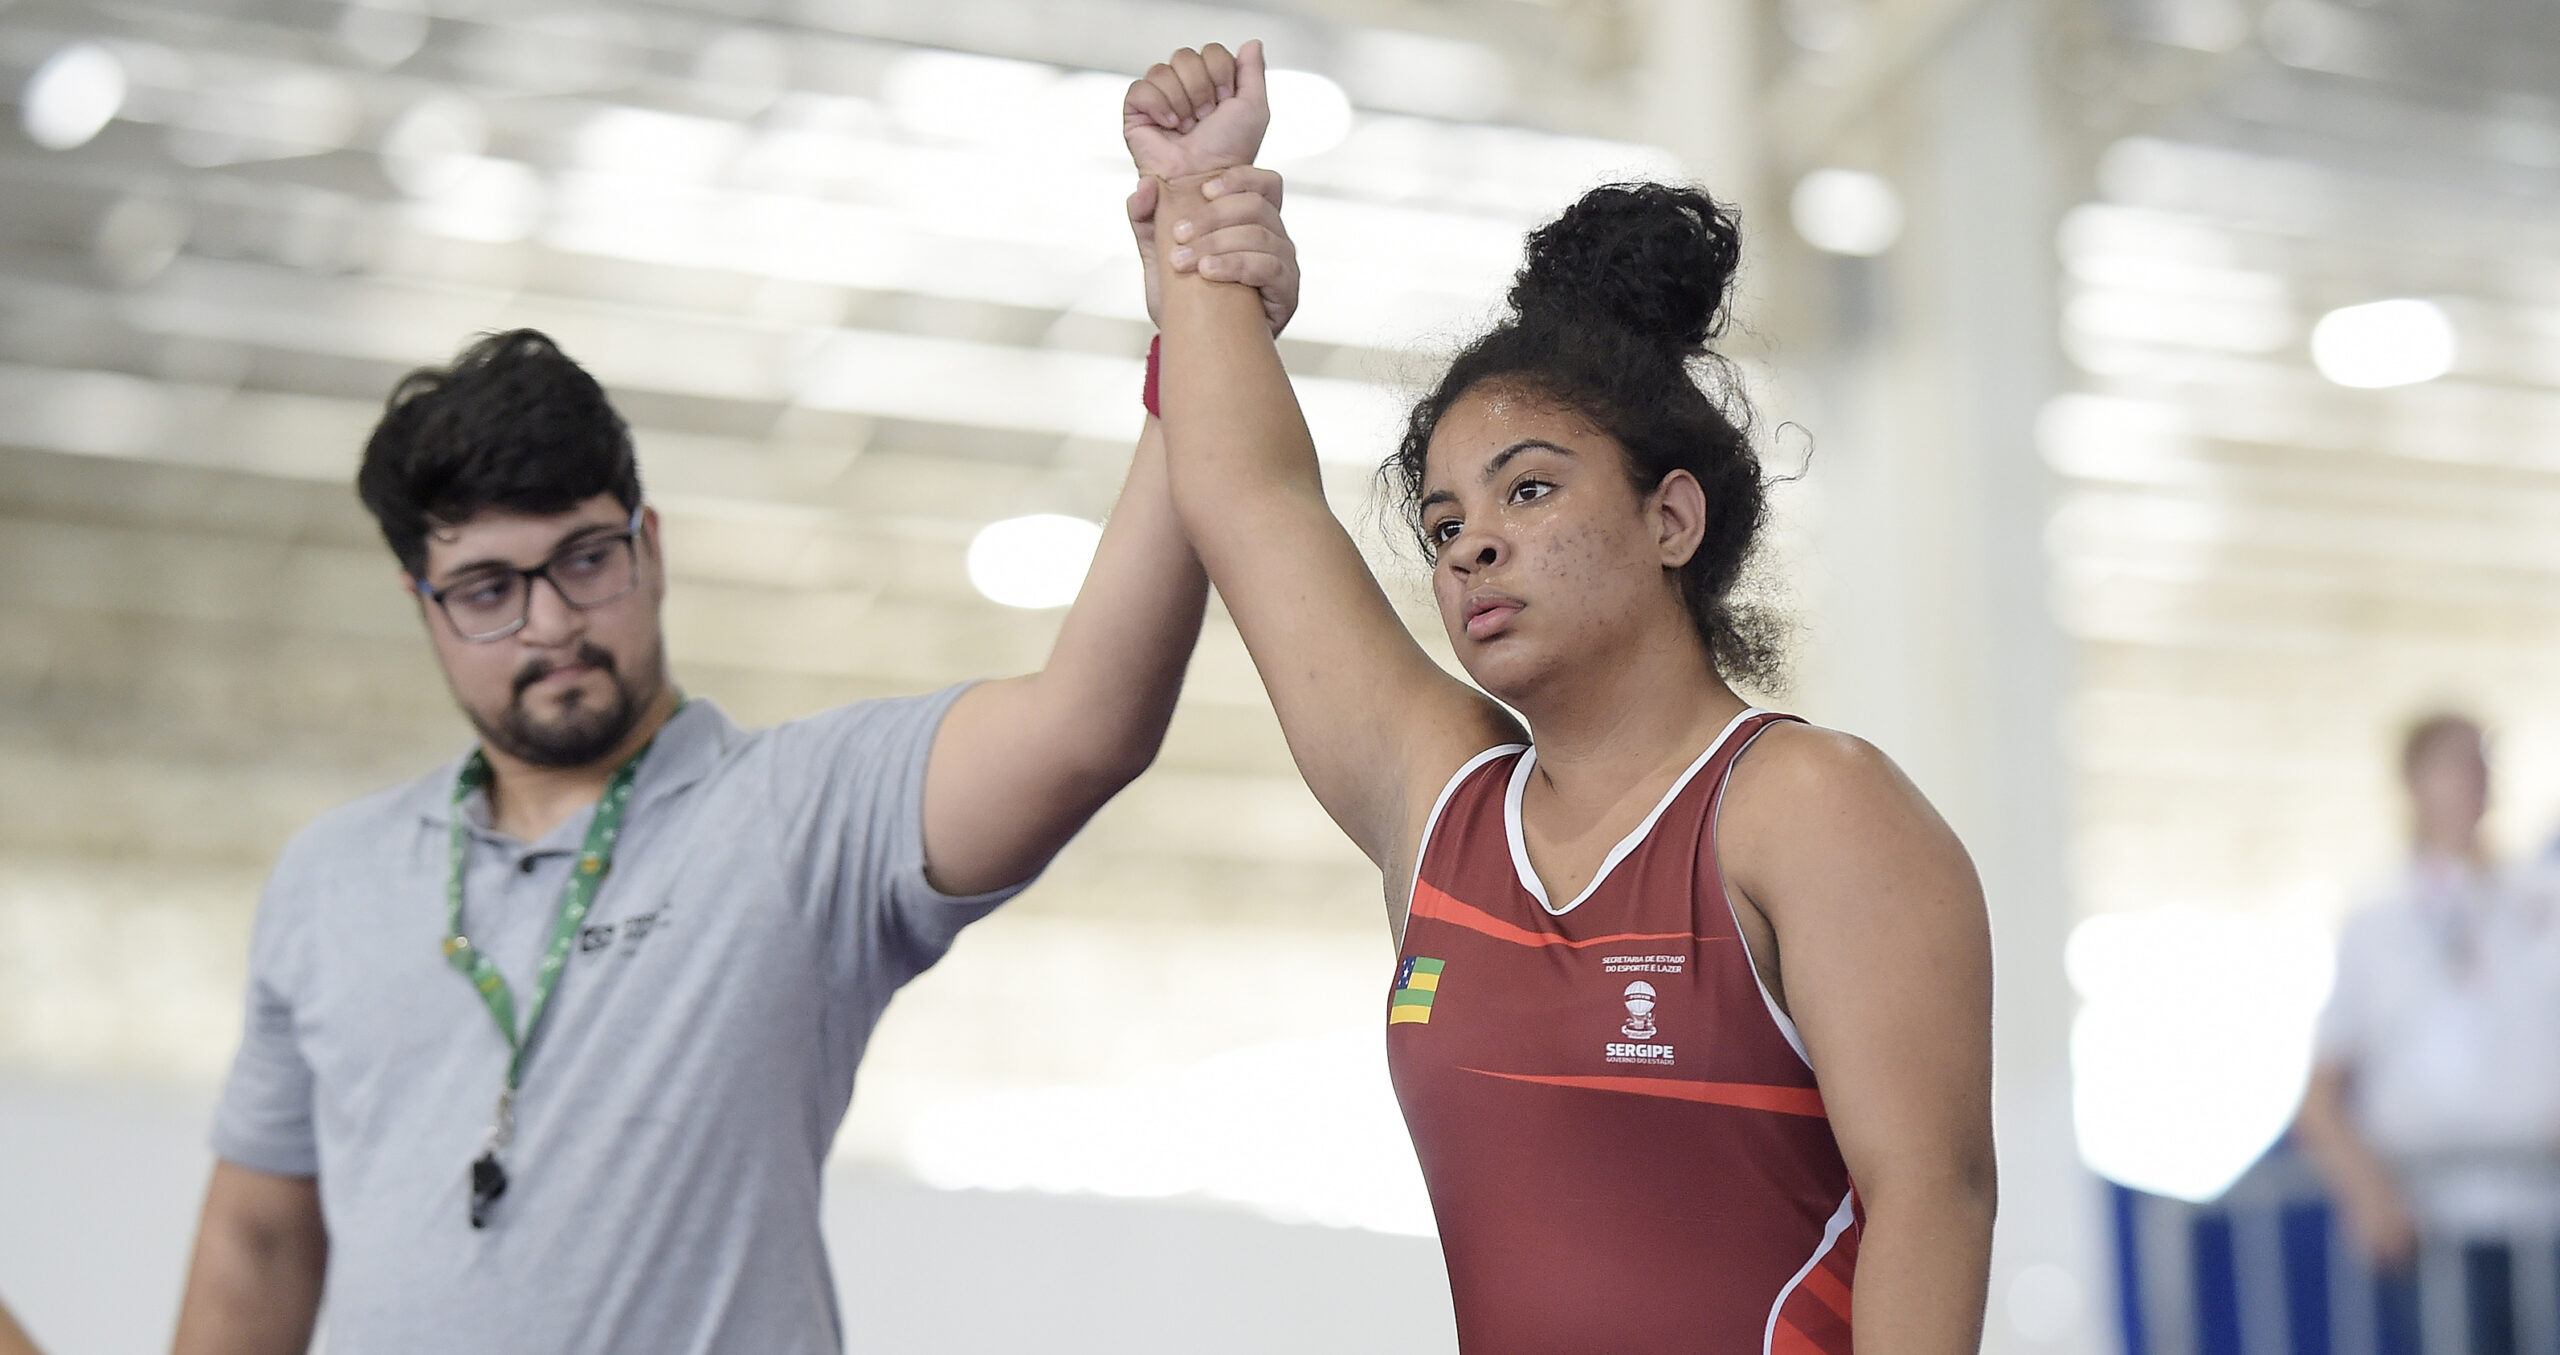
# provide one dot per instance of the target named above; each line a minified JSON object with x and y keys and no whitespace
{"x":656,"y":558}
{"x":1679,"y":511}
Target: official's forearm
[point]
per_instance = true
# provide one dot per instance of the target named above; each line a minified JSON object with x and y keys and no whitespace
{"x":248,"y":1296}
{"x":1924,"y":1267}
{"x":14,"y":1339}
{"x":1116,"y":669}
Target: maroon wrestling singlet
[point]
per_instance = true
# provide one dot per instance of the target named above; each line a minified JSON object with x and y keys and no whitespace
{"x":1623,"y":1140}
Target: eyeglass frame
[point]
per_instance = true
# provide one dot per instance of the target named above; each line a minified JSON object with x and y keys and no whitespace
{"x":541,"y":573}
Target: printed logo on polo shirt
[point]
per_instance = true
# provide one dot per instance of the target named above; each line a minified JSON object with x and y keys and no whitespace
{"x":1640,"y":1028}
{"x":631,"y":931}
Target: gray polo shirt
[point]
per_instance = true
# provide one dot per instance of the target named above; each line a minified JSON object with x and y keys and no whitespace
{"x":767,"y":897}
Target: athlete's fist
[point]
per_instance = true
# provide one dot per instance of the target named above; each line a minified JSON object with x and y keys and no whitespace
{"x":1197,"y":112}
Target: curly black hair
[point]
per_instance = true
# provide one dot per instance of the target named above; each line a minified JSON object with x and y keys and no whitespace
{"x":512,"y":423}
{"x":1611,"y":316}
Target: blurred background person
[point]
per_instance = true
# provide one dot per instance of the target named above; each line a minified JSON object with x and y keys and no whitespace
{"x":2433,"y":1111}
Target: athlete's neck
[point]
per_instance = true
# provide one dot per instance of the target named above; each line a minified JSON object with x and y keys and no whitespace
{"x":526,"y":801}
{"x":1621,"y":724}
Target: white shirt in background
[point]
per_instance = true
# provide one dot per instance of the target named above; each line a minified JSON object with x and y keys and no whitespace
{"x":2446,"y":1014}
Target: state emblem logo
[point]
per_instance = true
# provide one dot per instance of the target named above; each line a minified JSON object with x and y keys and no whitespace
{"x":1640,"y":1029}
{"x":1639,"y":999}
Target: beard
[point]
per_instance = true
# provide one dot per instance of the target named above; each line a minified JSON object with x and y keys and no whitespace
{"x":581,"y":732}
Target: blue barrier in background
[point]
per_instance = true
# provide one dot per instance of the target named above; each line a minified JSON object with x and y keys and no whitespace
{"x":2264,"y":1270}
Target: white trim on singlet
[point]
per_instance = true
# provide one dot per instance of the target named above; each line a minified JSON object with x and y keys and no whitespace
{"x":1626,"y":845}
{"x":1422,"y":846}
{"x":1840,"y":1220}
{"x":1715,"y":827}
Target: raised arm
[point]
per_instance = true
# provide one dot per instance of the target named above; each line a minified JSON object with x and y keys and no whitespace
{"x":261,"y":1253}
{"x":1375,"y":726}
{"x":1020,"y":764}
{"x":1883,"y":960}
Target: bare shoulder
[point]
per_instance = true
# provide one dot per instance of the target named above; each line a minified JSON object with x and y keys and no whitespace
{"x":1802,"y":793}
{"x":1796,"y":768}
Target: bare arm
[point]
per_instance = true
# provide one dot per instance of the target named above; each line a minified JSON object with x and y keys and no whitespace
{"x":13,"y":1339}
{"x":1882,"y":950}
{"x":1374,"y":725}
{"x":261,"y":1254}
{"x":1020,"y":764}
{"x":2377,"y":1214}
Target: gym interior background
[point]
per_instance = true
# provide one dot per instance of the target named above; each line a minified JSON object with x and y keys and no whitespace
{"x":2168,"y":391}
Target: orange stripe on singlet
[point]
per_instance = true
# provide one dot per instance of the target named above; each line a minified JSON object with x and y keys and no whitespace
{"x":1789,"y":1339}
{"x":1825,"y":1286}
{"x":1747,"y":1095}
{"x":1441,"y":906}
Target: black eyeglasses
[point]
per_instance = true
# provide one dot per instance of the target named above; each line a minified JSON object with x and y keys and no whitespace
{"x":491,"y":602}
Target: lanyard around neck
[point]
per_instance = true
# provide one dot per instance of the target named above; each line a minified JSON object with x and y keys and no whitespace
{"x":594,"y":860}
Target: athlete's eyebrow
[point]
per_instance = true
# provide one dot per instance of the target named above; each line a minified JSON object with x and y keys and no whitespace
{"x":1504,"y":457}
{"x":1493,"y":468}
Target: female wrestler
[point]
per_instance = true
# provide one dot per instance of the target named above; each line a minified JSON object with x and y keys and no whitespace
{"x":1691,"y":1024}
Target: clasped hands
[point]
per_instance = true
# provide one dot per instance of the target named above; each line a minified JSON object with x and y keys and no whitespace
{"x":1200,"y":115}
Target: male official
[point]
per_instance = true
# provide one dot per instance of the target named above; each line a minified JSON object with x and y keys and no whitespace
{"x":545,"y":1050}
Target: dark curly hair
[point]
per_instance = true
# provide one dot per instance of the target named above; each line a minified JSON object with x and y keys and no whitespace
{"x":1610,"y":318}
{"x":512,"y":423}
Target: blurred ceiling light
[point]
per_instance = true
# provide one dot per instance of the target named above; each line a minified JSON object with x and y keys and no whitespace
{"x":743,"y":71}
{"x":2184,"y":320}
{"x":2321,"y":37}
{"x":648,"y":144}
{"x":490,"y":201}
{"x":1033,"y":562}
{"x":300,"y":112}
{"x":1419,"y":73}
{"x":958,"y":96}
{"x":383,"y":33}
{"x":72,"y":96}
{"x":2383,"y":343}
{"x":1309,"y":116}
{"x":139,"y":238}
{"x":2205,"y":25}
{"x":1846,"y":211}
{"x":1823,"y":26}
{"x":433,"y":144}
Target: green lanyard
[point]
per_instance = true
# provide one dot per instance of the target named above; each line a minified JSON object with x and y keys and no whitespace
{"x":488,"y":1179}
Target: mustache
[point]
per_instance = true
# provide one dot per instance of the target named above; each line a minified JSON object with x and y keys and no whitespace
{"x":535,"y":670}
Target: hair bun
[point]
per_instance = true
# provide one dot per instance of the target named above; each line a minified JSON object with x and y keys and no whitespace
{"x":1653,"y":258}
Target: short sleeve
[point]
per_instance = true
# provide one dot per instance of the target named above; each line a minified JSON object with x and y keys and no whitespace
{"x":849,"y":785}
{"x":264,"y":1119}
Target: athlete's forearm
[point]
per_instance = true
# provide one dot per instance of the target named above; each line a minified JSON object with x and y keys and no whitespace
{"x":1924,"y":1266}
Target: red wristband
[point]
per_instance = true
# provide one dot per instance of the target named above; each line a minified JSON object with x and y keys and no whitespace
{"x":1147,"y":395}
